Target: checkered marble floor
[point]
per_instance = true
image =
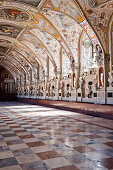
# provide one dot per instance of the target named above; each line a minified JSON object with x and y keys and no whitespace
{"x":42,"y":138}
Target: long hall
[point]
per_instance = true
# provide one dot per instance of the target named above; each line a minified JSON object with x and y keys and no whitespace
{"x":34,"y":137}
{"x":56,"y":84}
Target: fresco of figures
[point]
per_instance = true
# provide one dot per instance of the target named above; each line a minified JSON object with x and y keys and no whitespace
{"x":31,"y":2}
{"x":14,"y":14}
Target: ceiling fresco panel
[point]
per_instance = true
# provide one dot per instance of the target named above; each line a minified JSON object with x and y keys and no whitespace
{"x":10,"y":31}
{"x":98,"y":13}
{"x":30,"y":2}
{"x":52,"y":30}
{"x":72,"y":9}
{"x":14,"y":14}
{"x":68,"y":7}
{"x":67,"y":27}
{"x":96,"y":3}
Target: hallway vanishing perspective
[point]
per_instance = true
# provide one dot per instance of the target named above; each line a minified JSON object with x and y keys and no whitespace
{"x":57,"y":57}
{"x":57,"y":50}
{"x":42,"y":138}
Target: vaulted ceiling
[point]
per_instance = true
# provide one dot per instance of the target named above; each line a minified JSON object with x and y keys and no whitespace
{"x":31,"y":31}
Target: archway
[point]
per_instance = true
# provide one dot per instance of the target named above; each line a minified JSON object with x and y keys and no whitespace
{"x":7,"y":85}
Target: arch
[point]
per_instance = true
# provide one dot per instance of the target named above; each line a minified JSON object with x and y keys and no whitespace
{"x":46,"y":51}
{"x":22,"y":45}
{"x":11,"y":64}
{"x":11,"y":56}
{"x":79,"y":49}
{"x":55,"y":33}
{"x":37,"y":54}
{"x":26,"y":59}
{"x":61,"y":40}
{"x":20,"y":64}
{"x":10,"y":69}
{"x":77,"y":14}
{"x":110,"y":41}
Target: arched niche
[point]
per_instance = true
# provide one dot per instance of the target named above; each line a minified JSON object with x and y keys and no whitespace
{"x":7,"y":82}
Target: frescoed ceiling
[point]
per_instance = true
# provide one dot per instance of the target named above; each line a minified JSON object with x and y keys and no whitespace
{"x":98,"y":13}
{"x":30,"y":2}
{"x":31,"y":31}
{"x":96,"y":3}
{"x":14,"y":14}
